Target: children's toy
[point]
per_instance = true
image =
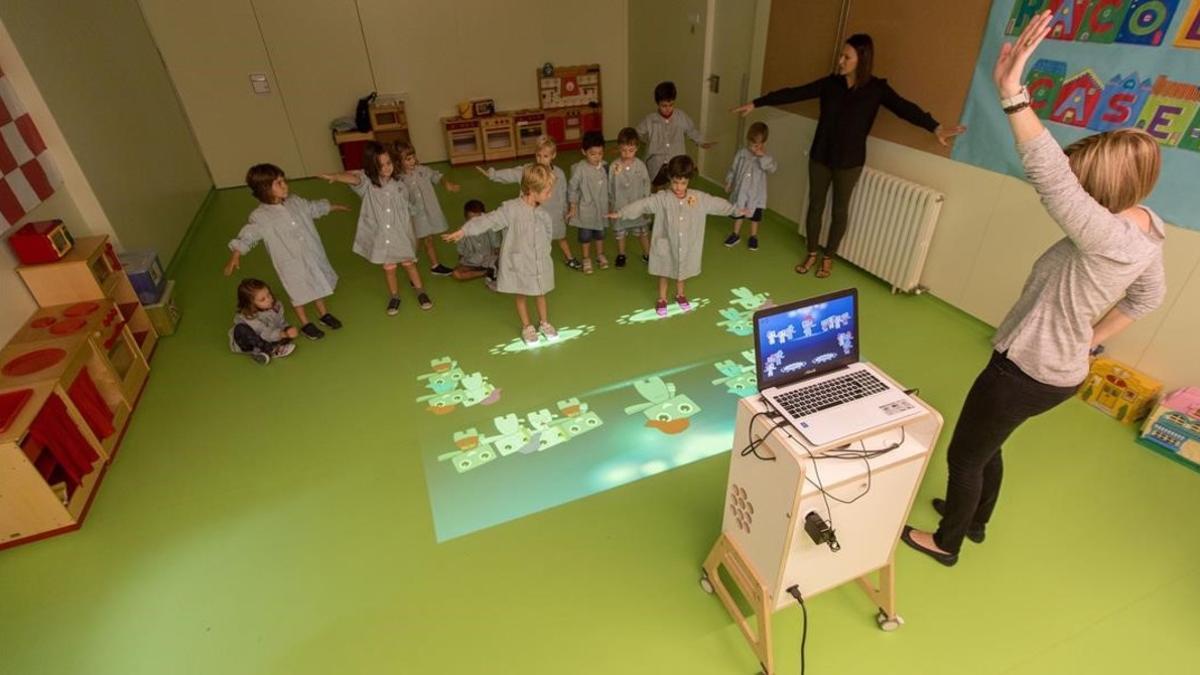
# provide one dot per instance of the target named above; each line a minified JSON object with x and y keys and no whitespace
{"x":1174,"y":424}
{"x":1119,"y":390}
{"x":41,"y":242}
{"x":145,"y":273}
{"x":164,"y":314}
{"x":651,"y":314}
{"x":664,"y":409}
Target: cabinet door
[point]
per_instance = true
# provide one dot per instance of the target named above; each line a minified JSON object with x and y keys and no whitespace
{"x":320,"y":61}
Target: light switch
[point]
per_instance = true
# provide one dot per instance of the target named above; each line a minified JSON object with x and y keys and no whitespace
{"x":259,"y":83}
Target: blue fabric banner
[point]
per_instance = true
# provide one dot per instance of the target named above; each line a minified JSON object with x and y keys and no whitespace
{"x":1107,"y":64}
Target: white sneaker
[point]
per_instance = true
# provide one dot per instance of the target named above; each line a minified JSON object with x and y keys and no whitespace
{"x":284,"y":349}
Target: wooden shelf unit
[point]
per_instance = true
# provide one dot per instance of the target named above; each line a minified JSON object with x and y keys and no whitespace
{"x":90,"y":271}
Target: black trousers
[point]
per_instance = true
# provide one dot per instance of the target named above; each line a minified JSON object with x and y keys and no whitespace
{"x":1001,"y":399}
{"x":819,"y":179}
{"x":249,"y":341}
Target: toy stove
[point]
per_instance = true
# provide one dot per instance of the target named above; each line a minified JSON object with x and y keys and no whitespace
{"x":78,"y":318}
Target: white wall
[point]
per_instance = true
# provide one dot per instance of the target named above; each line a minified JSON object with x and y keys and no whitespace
{"x":322,"y":55}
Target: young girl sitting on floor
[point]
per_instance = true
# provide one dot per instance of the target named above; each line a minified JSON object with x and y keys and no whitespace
{"x":525,"y":265}
{"x":677,"y":241}
{"x":259,"y":329}
{"x":385,"y":229}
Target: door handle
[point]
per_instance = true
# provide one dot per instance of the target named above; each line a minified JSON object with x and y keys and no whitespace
{"x":714,"y":83}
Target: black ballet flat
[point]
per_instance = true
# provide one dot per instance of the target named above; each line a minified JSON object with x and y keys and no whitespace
{"x":947,"y":559}
{"x":976,"y":533}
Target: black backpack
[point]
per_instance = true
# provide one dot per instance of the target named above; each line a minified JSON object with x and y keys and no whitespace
{"x":362,"y":113}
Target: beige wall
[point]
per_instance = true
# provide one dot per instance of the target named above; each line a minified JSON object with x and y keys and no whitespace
{"x":97,"y":69}
{"x":664,"y":44}
{"x":322,"y":55}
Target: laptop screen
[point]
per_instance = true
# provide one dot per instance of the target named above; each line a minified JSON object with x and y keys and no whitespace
{"x":805,"y":338}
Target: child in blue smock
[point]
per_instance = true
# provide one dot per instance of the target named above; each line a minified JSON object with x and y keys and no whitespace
{"x":556,"y":206}
{"x":525,"y":267}
{"x":385,"y":234}
{"x":664,"y":132}
{"x":629,"y":181}
{"x":478,"y":254}
{"x":746,"y":183}
{"x":284,"y":222}
{"x":677,"y":242}
{"x":588,"y":196}
{"x":428,"y":218}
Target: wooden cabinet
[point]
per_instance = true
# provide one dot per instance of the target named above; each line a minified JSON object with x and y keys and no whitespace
{"x":69,"y":381}
{"x":91,"y":271}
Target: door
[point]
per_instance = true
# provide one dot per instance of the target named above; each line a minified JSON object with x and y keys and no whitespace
{"x":727,"y":82}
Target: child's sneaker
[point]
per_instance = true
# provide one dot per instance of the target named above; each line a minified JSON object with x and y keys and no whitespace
{"x":603,"y":262}
{"x":490,"y":283}
{"x":393,"y":306}
{"x":491,"y":273}
{"x":752,"y":244}
{"x":587,"y":265}
{"x":530,"y":335}
{"x":620,"y":260}
{"x":311,"y":331}
{"x":331,"y":321}
{"x":440,"y":270}
{"x":733,"y":239}
{"x":423,"y":301}
{"x":548,"y":330}
{"x":660,"y":307}
{"x":646,"y":258}
{"x":283,"y":350}
{"x":258,"y":357}
{"x":683,"y":302}
{"x":574,"y":264}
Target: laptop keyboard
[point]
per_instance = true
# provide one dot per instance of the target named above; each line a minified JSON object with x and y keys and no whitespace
{"x":814,"y":398}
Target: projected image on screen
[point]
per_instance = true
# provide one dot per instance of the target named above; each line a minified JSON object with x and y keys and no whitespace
{"x":799,"y":341}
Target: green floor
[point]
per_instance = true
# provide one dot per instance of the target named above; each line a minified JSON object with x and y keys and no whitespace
{"x":276,"y":520}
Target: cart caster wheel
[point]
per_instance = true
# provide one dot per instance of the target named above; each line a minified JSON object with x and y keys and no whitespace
{"x":705,"y":584}
{"x":888,"y":624}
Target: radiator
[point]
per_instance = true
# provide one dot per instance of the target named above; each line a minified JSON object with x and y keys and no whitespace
{"x":891,"y":224}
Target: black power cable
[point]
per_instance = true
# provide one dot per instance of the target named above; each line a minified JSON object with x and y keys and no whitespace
{"x":794,"y":591}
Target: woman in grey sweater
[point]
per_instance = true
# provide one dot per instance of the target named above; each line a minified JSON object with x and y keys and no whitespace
{"x":1104,"y":274}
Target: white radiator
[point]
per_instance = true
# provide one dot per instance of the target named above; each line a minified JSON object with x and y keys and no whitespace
{"x":890,"y":227}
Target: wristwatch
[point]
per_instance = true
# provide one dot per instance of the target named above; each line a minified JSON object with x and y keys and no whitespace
{"x":1018,"y":101}
{"x":1096,"y":351}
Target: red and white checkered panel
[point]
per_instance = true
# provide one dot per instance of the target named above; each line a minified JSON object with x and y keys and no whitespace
{"x":28,"y":175}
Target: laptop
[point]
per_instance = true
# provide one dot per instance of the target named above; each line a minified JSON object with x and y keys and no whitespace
{"x":806,"y":357}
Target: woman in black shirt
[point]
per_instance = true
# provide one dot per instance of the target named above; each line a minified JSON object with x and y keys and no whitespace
{"x":850,"y":99}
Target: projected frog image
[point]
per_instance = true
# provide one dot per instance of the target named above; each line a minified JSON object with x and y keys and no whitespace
{"x":738,"y":377}
{"x":651,"y":314}
{"x":738,"y":317}
{"x":538,"y":431}
{"x":811,"y":336}
{"x":483,"y":468}
{"x":664,"y":409}
{"x":452,"y":387}
{"x":517,"y":345}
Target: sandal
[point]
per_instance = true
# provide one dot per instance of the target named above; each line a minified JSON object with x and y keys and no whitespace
{"x":826,"y":268}
{"x":807,"y":265}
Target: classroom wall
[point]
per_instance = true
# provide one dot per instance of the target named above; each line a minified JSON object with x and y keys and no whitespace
{"x":101,"y":77}
{"x":666,"y":42}
{"x":322,"y":55}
